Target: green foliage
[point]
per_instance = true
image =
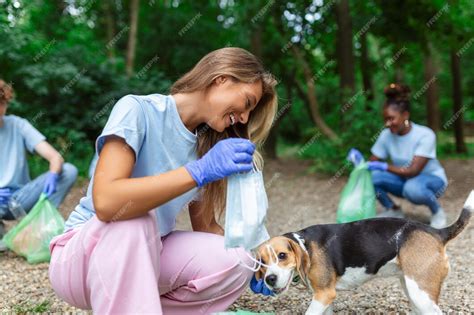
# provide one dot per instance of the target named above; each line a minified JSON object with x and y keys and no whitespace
{"x":65,"y":91}
{"x":68,"y":73}
{"x":27,"y":307}
{"x":360,"y":130}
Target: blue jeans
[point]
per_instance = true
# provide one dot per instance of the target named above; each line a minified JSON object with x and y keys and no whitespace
{"x":29,"y":194}
{"x":423,"y":189}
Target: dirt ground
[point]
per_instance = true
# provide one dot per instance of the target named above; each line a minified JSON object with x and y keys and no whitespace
{"x":297,"y":199}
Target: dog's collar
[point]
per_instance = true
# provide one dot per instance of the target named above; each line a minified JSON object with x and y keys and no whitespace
{"x":300,"y":241}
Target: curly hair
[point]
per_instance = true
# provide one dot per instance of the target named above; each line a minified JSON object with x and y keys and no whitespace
{"x":6,"y":92}
{"x":398,"y":97}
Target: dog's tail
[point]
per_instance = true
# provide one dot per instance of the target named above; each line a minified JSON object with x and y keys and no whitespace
{"x":450,"y":232}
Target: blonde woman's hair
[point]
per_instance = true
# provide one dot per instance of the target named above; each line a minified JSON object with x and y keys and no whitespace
{"x":6,"y":92}
{"x":241,"y":66}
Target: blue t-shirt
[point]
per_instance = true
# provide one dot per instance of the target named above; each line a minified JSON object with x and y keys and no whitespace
{"x":420,"y":141}
{"x":16,"y":136}
{"x":152,"y":127}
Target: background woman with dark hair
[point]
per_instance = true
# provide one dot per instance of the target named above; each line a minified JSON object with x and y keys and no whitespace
{"x":414,"y":172}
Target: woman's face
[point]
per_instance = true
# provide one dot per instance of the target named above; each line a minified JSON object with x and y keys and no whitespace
{"x":395,"y":120}
{"x":231,"y":102}
{"x":3,"y":109}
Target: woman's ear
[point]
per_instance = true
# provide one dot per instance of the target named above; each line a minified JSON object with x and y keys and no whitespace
{"x":406,"y":115}
{"x":220,"y":79}
{"x":302,"y":260}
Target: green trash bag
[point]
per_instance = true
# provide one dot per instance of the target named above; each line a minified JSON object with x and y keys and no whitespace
{"x":31,"y":237}
{"x":358,"y":196}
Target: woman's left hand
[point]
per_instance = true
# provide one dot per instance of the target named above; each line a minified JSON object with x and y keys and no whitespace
{"x":51,"y":183}
{"x":377,"y":165}
{"x":355,"y":156}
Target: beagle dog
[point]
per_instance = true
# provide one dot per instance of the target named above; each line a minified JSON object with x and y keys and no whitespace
{"x":331,"y":257}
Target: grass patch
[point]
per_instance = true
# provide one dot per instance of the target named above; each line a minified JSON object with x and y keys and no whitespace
{"x":29,"y":307}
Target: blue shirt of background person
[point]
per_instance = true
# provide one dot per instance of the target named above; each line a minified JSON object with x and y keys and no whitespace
{"x":18,"y":193}
{"x":414,"y":172}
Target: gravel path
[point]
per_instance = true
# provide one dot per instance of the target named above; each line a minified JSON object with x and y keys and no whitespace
{"x":297,"y":199}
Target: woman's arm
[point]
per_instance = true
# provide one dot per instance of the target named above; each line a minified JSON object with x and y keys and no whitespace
{"x":200,"y":222}
{"x":116,"y":196}
{"x":46,"y":151}
{"x":374,"y":158}
{"x":415,"y":168}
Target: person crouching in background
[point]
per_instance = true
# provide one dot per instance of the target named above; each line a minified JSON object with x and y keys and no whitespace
{"x":18,"y":193}
{"x":414,"y":173}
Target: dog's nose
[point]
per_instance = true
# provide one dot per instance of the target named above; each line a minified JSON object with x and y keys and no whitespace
{"x":271,"y":280}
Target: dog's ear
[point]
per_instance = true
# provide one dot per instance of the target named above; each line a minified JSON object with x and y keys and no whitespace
{"x":259,"y":274}
{"x":302,"y":260}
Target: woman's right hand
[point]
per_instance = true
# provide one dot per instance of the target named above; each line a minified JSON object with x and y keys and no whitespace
{"x":355,"y":156}
{"x":5,"y":194}
{"x":226,"y":157}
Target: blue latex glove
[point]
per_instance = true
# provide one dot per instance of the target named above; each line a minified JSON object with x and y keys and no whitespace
{"x":355,"y":156}
{"x":226,"y":157}
{"x":51,"y":183}
{"x":259,"y":287}
{"x":377,"y":165}
{"x":5,"y":194}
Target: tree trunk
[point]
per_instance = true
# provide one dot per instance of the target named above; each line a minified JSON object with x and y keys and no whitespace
{"x":457,"y":103}
{"x":399,"y":74}
{"x":311,"y":95}
{"x":110,"y":25}
{"x":132,"y":36}
{"x":344,"y":48}
{"x":270,"y":146}
{"x":366,"y":69}
{"x":311,"y":91}
{"x":431,"y":86}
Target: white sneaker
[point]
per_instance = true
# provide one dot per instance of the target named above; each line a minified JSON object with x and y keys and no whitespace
{"x":390,"y":213}
{"x":438,"y":220}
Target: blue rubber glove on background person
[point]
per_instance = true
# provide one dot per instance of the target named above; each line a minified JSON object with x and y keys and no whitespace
{"x":5,"y":194}
{"x":51,"y":183}
{"x":259,"y":287}
{"x":355,"y":156}
{"x":377,"y":166}
{"x":226,"y":157}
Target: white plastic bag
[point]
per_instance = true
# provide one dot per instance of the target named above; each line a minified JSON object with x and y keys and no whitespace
{"x":246,"y":209}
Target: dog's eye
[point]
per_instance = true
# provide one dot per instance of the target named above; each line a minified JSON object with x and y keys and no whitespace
{"x":282,"y":256}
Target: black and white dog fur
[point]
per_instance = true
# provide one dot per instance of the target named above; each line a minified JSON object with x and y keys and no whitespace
{"x":331,"y":257}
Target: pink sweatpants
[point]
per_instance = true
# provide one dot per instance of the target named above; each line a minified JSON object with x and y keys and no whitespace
{"x":126,"y":267}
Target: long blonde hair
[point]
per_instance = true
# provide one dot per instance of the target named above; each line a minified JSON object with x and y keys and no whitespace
{"x":241,"y":66}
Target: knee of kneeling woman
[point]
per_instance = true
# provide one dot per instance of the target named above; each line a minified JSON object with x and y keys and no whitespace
{"x":69,"y":171}
{"x":145,"y":223}
{"x":134,"y":230}
{"x":414,"y":195}
{"x":377,"y":177}
{"x":244,"y":259}
{"x":61,"y":282}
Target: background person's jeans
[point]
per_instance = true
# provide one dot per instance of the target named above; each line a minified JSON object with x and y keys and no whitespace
{"x":29,"y":194}
{"x":423,"y":189}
